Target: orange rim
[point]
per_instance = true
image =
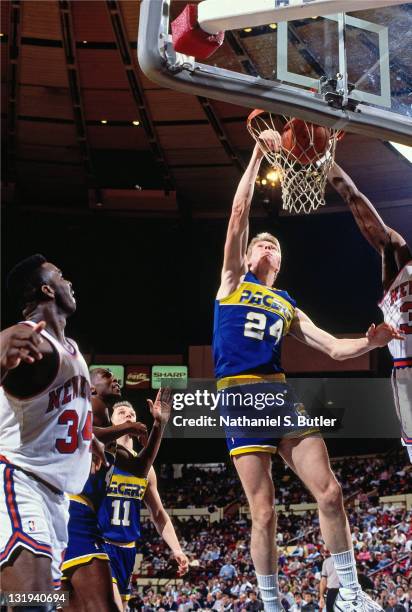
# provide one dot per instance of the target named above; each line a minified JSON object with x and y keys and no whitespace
{"x":253,"y":114}
{"x":258,"y":111}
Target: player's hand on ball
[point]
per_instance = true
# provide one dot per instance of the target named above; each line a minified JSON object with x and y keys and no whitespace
{"x":20,"y":343}
{"x":182,"y":563}
{"x":271,"y":140}
{"x":382,"y":334}
{"x":162,"y":406}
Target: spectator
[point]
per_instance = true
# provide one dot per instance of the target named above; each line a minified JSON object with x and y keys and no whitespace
{"x":393,"y":605}
{"x":310,"y":605}
{"x":254,"y":604}
{"x":227,"y":571}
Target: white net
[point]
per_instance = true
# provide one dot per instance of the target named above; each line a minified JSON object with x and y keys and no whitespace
{"x":300,"y":152}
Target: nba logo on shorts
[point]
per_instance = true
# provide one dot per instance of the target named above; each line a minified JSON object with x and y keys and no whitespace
{"x":32,"y":526}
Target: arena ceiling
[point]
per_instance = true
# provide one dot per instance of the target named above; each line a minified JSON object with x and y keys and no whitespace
{"x":83,"y":126}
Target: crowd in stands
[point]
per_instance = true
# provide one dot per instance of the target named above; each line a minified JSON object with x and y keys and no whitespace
{"x":373,"y":476}
{"x":221,"y":575}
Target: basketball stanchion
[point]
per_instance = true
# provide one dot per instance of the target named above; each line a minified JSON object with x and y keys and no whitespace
{"x":303,"y":160}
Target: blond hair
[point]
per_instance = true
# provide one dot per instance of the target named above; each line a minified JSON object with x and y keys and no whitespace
{"x":262,"y":237}
{"x":124,"y":403}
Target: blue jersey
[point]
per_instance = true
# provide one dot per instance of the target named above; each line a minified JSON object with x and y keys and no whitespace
{"x":119,"y":514}
{"x":94,"y":490}
{"x":249,"y":326}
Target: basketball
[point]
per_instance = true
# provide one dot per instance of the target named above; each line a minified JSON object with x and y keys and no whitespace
{"x":305,"y":141}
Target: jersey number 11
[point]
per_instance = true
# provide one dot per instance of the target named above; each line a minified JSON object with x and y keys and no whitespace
{"x":117,"y":504}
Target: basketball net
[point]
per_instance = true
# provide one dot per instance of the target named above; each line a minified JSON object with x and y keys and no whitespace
{"x":303,"y":185}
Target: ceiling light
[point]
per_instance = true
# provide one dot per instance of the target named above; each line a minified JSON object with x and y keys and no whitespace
{"x":273,"y":176}
{"x":403,"y":150}
{"x":273,"y":26}
{"x":84,"y":42}
{"x":247,"y":30}
{"x":264,"y":181}
{"x":136,"y":122}
{"x":103,"y":121}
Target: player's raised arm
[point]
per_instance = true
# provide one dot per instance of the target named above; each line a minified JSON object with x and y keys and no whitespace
{"x":234,"y":261}
{"x":306,"y":331}
{"x":393,"y":248}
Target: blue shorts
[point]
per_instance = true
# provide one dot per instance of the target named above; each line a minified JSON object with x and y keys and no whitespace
{"x":259,"y":411}
{"x":122,"y":559}
{"x":85,"y":539}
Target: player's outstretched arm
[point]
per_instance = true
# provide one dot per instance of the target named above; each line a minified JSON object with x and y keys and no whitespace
{"x":393,"y":248}
{"x":304,"y":330}
{"x":234,"y":260}
{"x":140,"y":465}
{"x":163,"y":523}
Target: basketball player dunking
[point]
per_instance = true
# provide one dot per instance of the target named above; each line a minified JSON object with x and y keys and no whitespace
{"x":251,"y":317}
{"x":396,"y":303}
{"x":46,"y":427}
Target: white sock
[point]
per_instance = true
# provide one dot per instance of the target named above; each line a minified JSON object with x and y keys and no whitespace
{"x":345,"y":566}
{"x":269,"y":590}
{"x":409,"y":449}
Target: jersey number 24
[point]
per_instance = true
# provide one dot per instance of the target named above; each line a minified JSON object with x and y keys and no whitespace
{"x":256,"y":327}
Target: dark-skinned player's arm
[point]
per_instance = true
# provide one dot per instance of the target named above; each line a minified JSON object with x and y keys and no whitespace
{"x":28,"y":360}
{"x":391,"y":246}
{"x":106,"y":432}
{"x":234,"y":259}
{"x":140,"y":465}
{"x":304,"y":330}
{"x":164,"y":526}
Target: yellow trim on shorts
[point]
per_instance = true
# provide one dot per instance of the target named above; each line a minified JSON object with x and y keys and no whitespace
{"x":83,"y":560}
{"x":82,"y":499}
{"x":249,"y":379}
{"x":242,"y":450}
{"x":124,"y":596}
{"x":253,"y":449}
{"x":121,"y":544}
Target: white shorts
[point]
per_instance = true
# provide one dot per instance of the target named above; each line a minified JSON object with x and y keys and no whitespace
{"x":32,"y":517}
{"x":402,"y":393}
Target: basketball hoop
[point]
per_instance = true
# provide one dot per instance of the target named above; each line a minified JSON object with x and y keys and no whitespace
{"x":303,"y":161}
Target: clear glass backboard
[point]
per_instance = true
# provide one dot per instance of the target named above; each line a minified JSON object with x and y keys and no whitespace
{"x":347,"y":70}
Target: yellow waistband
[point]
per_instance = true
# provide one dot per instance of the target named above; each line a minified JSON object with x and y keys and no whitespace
{"x":249,"y":379}
{"x":121,"y":544}
{"x":82,"y":499}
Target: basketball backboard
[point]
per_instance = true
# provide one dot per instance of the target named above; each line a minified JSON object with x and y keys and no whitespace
{"x":349,"y":71}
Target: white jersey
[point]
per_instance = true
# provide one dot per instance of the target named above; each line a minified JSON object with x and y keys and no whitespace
{"x":396,"y":306}
{"x":49,"y":434}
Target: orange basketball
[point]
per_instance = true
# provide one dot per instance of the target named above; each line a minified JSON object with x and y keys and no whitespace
{"x":305,"y":141}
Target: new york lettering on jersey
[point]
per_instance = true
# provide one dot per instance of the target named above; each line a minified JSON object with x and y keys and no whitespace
{"x":249,"y":326}
{"x":49,"y":434}
{"x":396,"y":306}
{"x":119,"y":513}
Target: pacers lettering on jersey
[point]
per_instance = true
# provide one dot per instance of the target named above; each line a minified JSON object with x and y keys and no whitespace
{"x":401,"y":291}
{"x":267,"y":300}
{"x":77,"y":386}
{"x":131,"y":487}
